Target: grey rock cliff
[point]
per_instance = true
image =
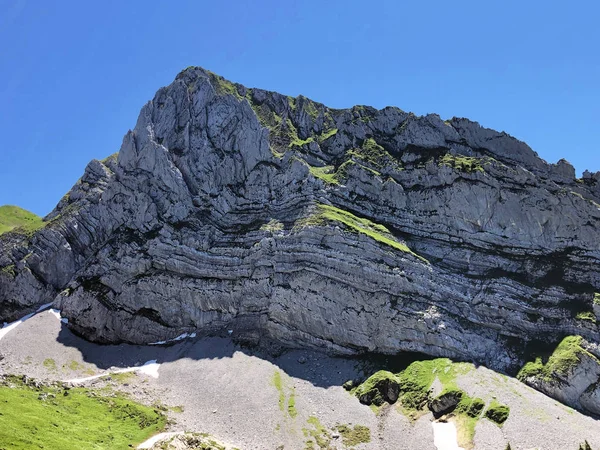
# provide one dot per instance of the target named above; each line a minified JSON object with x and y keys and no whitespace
{"x":353,"y":230}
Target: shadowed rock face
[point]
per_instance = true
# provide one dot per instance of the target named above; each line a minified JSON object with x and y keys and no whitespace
{"x":354,"y":230}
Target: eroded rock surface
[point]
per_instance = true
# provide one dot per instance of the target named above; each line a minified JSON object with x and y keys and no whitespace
{"x":353,"y":230}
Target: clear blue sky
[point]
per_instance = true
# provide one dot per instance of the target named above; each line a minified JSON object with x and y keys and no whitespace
{"x":74,"y":74}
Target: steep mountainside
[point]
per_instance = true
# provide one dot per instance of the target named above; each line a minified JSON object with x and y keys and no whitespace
{"x":283,"y":220}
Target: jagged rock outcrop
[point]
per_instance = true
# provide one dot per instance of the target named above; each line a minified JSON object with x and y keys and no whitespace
{"x":354,"y":230}
{"x":571,"y":374}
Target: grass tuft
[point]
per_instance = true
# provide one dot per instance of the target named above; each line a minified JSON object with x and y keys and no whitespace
{"x":497,"y":413}
{"x":354,"y":436}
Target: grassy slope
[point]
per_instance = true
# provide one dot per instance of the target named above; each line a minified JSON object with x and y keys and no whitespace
{"x":12,"y":217}
{"x":75,"y":421}
{"x":566,"y":356}
{"x":358,"y":224}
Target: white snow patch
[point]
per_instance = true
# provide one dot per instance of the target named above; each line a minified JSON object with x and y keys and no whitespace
{"x":157,"y":438}
{"x":11,"y":326}
{"x":56,"y":313}
{"x":43,"y":307}
{"x":444,"y":436}
{"x":178,"y":338}
{"x":149,"y":368}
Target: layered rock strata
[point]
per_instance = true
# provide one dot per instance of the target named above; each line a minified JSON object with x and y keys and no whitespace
{"x":354,"y":230}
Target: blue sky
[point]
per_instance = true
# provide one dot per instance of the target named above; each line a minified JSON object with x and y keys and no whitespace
{"x":75,"y":74}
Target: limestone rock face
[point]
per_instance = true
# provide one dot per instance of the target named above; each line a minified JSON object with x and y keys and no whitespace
{"x":352,"y":230}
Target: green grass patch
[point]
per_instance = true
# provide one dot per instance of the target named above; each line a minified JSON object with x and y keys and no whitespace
{"x":415,"y":381}
{"x":47,"y":418}
{"x":463,"y":163}
{"x":497,"y":412}
{"x":49,"y":364}
{"x":272,"y":226}
{"x":291,"y":407}
{"x":123,"y":377}
{"x":465,"y":430}
{"x":327,"y":134}
{"x":73,"y":366}
{"x":374,"y":155}
{"x":566,"y":356}
{"x":9,"y":270}
{"x":310,"y":108}
{"x":326,"y":173}
{"x":278,"y":383}
{"x":361,"y":225}
{"x":354,"y":436}
{"x":18,"y":219}
{"x":586,"y":315}
{"x":223,"y":86}
{"x":297,"y":142}
{"x":317,"y":434}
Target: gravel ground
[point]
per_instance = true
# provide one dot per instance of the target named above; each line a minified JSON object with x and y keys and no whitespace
{"x":231,"y":393}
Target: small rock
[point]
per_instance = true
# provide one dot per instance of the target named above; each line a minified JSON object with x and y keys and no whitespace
{"x":302,"y":360}
{"x":348,"y":385}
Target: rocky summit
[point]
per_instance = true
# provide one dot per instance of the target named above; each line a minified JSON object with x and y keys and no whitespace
{"x":280,"y":221}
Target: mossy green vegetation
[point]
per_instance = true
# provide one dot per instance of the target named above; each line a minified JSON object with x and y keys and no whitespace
{"x":327,"y":134}
{"x":9,"y":270}
{"x":352,"y":436}
{"x":272,"y":226}
{"x":596,"y":298}
{"x":54,"y":418}
{"x":364,"y":226}
{"x":72,"y":366}
{"x":497,"y":412}
{"x":123,"y":377}
{"x":317,"y":435}
{"x":278,"y":383}
{"x":18,"y":219}
{"x":266,"y":116}
{"x":374,"y":380}
{"x":374,"y":155}
{"x":566,"y":356}
{"x":198,"y":441}
{"x":297,"y":142}
{"x":466,"y":415}
{"x":310,"y":107}
{"x":291,"y":407}
{"x":415,"y":381}
{"x":414,"y":384}
{"x":223,"y":86}
{"x":586,"y":315}
{"x":49,"y":364}
{"x":326,"y":173}
{"x":463,"y":163}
